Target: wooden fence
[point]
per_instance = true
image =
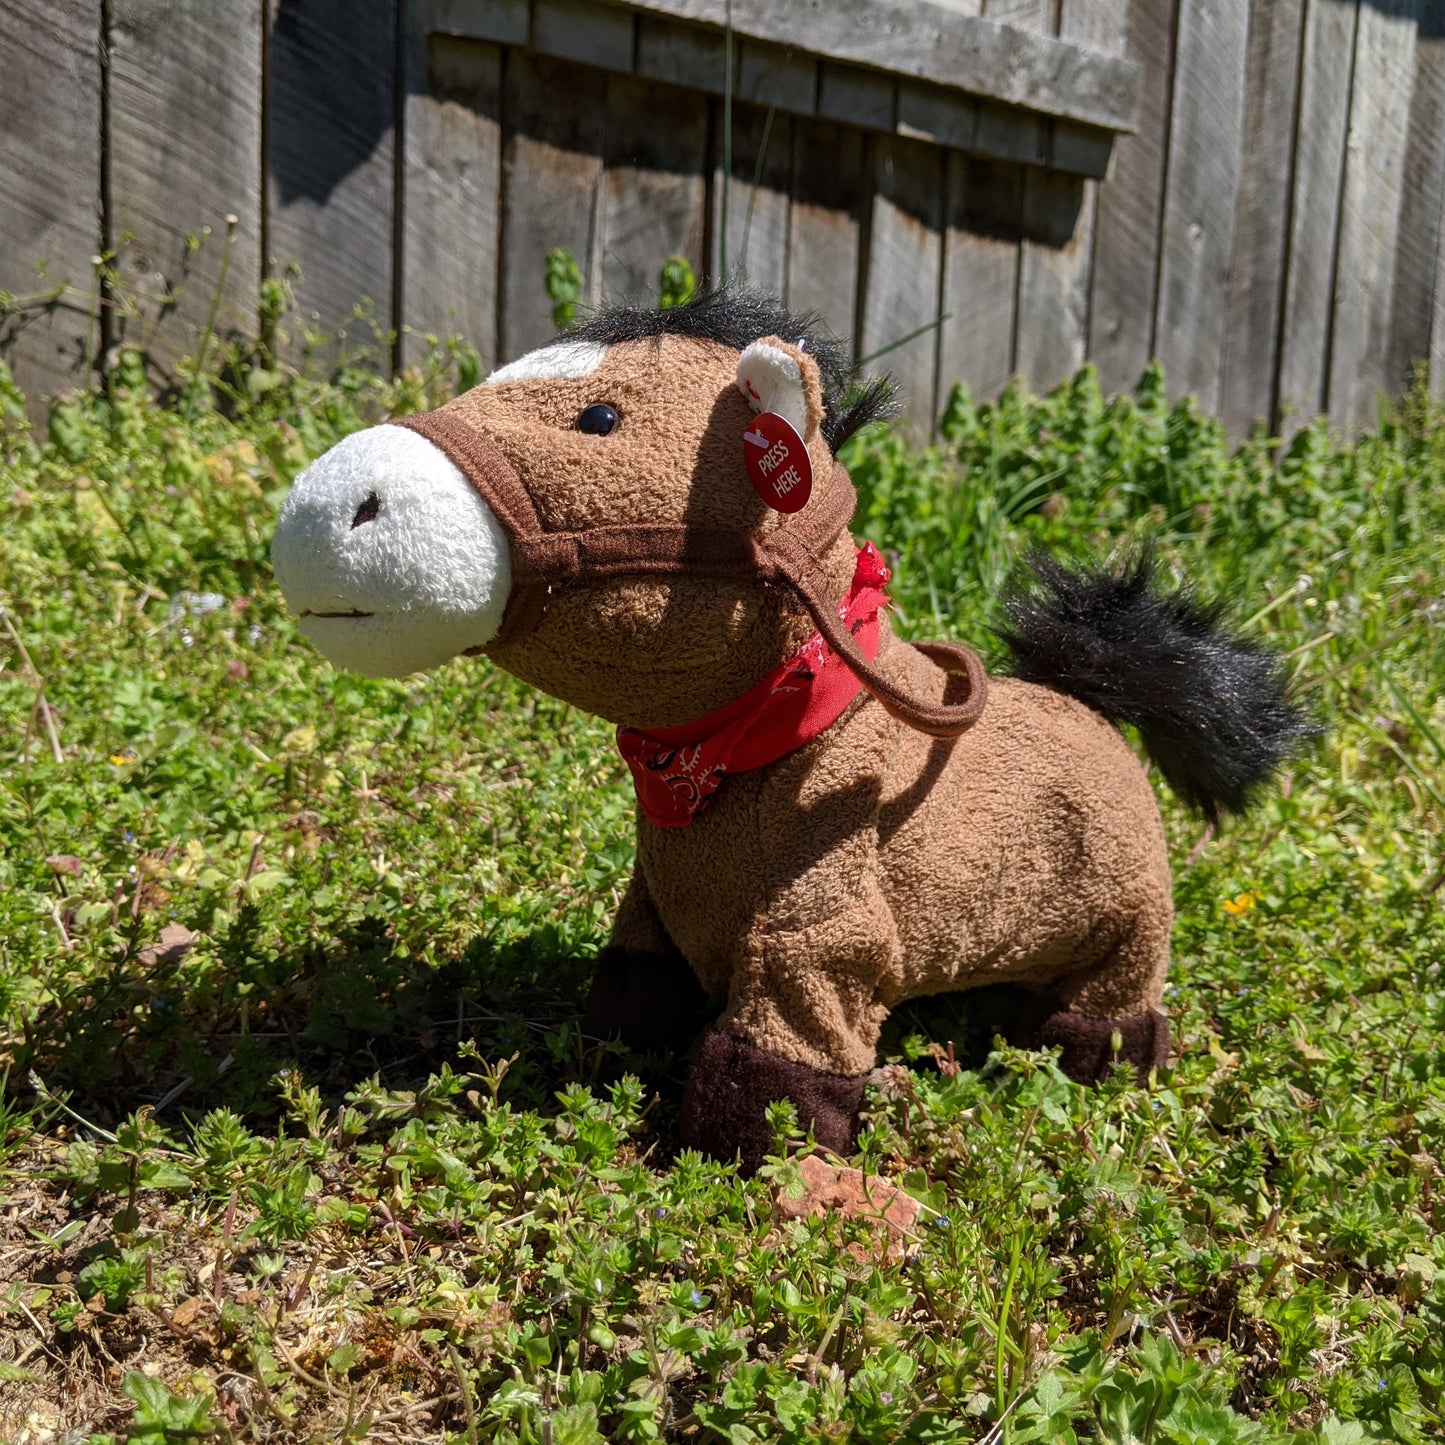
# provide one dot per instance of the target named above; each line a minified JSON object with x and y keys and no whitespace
{"x":1250,"y":192}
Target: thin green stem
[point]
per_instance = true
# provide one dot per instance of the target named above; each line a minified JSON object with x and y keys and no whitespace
{"x":92,"y":316}
{"x":757,"y":181}
{"x":904,"y":340}
{"x":1000,"y":1384}
{"x":1298,"y":589}
{"x":231,"y":223}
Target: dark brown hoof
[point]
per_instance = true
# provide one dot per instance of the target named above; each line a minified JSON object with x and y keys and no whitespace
{"x":648,"y":1000}
{"x":1091,"y":1049}
{"x":724,"y":1108}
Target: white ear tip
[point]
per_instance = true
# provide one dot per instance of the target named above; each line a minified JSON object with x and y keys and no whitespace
{"x":773,"y":381}
{"x":762,"y":355}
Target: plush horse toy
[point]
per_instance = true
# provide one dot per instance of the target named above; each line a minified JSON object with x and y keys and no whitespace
{"x":646,"y":519}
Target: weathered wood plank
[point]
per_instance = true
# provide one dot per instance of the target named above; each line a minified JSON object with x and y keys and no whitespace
{"x":1052,"y":328}
{"x":451,"y":193}
{"x":858,"y":97}
{"x":1101,"y":25}
{"x":980,"y":275}
{"x":505,"y":22}
{"x":1424,"y":194}
{"x":49,"y":128}
{"x":581,"y":31}
{"x":185,"y":152}
{"x":1201,"y":191}
{"x":1324,"y":108}
{"x":654,"y":187}
{"x":683,"y":55}
{"x":757,"y":215}
{"x":1027,"y":14}
{"x":824,"y":220}
{"x":775,"y":75}
{"x":1126,"y":234}
{"x":934,"y":42}
{"x":1057,"y":252}
{"x":330,"y":167}
{"x":928,"y":112}
{"x":904,"y":260}
{"x":1437,"y":329}
{"x":1256,"y":275}
{"x":693,"y":56}
{"x":1370,"y":212}
{"x":552,"y":158}
{"x":1010,"y":134}
{"x":1081,"y":150}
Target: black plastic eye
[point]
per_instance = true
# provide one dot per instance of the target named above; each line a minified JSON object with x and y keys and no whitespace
{"x":597,"y":420}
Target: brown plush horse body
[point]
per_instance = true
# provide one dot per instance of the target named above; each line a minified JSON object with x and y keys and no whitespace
{"x":584,"y":517}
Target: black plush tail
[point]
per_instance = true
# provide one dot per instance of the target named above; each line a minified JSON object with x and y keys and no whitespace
{"x":1212,"y":709}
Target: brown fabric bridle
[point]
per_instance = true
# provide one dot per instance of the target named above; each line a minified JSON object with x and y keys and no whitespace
{"x":792,"y":555}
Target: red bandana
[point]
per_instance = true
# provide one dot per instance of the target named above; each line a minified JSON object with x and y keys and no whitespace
{"x":677,"y":770}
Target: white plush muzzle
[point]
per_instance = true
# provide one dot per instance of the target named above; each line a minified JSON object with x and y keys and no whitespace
{"x":390,"y":557}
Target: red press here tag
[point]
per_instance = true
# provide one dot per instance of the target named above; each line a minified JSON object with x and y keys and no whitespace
{"x":777,"y":462}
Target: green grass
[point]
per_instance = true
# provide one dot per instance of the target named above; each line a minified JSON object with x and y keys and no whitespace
{"x":345,"y":1168}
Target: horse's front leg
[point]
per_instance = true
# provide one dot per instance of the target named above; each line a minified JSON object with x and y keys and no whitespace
{"x":801,"y":1024}
{"x":808,"y":996}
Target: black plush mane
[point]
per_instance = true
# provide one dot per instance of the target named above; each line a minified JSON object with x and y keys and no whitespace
{"x":737,"y":318}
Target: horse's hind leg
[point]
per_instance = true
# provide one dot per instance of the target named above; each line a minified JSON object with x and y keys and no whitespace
{"x":1105,"y":1011}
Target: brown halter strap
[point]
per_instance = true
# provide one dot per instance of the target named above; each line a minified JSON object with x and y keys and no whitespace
{"x":792,"y":555}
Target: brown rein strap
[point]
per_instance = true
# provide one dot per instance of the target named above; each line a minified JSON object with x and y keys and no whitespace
{"x":792,"y":554}
{"x":801,"y":567}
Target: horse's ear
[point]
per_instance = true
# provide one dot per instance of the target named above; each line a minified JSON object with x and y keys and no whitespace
{"x":777,"y":376}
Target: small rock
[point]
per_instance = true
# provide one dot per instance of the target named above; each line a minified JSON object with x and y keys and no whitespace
{"x":851,"y":1194}
{"x":175,"y":942}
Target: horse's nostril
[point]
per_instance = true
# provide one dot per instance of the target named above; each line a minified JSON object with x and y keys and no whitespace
{"x":367,"y":511}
